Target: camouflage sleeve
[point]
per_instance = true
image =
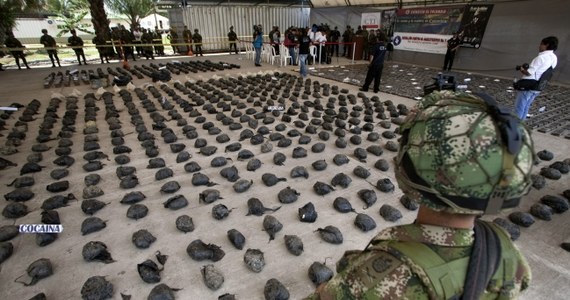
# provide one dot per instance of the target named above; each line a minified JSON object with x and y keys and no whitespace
{"x":371,"y":275}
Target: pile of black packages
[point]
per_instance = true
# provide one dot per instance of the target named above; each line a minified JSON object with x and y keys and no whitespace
{"x":161,"y":75}
{"x":441,"y":82}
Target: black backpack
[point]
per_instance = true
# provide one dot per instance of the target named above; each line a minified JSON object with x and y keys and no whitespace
{"x":544,"y":79}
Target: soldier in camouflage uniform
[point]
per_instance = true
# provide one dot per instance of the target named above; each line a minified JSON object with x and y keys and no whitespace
{"x":461,"y":156}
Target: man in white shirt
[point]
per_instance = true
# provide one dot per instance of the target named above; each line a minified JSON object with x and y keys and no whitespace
{"x":545,"y":59}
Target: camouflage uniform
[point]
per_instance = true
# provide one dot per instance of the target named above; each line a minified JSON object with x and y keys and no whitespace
{"x":380,"y":272}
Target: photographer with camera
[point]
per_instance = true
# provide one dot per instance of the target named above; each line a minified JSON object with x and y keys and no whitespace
{"x":535,"y":75}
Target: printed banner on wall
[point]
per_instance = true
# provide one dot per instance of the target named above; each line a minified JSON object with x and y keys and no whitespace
{"x":388,"y":21}
{"x":427,"y":29}
{"x":370,"y":20}
{"x":421,"y":42}
{"x":474,"y":23}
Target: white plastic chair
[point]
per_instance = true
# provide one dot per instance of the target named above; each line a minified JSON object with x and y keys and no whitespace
{"x":266,"y":52}
{"x":249,"y":52}
{"x":273,"y":56}
{"x":285,"y":56}
{"x":313,"y":53}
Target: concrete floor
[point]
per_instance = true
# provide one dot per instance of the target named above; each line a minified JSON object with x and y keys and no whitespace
{"x":540,"y":243}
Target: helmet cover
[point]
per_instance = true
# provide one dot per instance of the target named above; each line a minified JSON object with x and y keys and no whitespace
{"x":461,"y":154}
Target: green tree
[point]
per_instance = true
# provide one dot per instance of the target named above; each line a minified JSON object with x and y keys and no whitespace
{"x":70,"y":13}
{"x":9,"y":10}
{"x":134,"y":10}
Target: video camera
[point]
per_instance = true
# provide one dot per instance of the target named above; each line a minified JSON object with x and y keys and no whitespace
{"x":524,"y":66}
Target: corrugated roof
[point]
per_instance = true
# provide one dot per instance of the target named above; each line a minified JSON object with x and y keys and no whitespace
{"x":323,"y":3}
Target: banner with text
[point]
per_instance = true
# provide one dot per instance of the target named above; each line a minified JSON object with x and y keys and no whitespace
{"x":427,"y":29}
{"x":370,"y":20}
{"x":420,"y":42}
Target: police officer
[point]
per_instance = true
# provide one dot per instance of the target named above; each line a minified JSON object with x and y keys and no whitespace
{"x":452,"y":45}
{"x":376,"y":64}
{"x":76,"y":43}
{"x":442,"y":164}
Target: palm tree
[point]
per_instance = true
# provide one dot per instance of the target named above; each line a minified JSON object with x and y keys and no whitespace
{"x":133,"y":9}
{"x":99,"y":18}
{"x":70,"y":13}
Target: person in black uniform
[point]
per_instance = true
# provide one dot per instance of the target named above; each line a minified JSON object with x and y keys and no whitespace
{"x":376,"y":64}
{"x":100,"y":44}
{"x":17,"y":49}
{"x":76,"y":43}
{"x":335,"y":36}
{"x":452,"y":46}
{"x":49,"y":43}
{"x":127,"y":39}
{"x":157,"y":38}
{"x":197,"y":39}
{"x":232,"y":38}
{"x":146,"y":39}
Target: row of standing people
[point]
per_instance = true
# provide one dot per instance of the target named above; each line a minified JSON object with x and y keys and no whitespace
{"x":147,"y":39}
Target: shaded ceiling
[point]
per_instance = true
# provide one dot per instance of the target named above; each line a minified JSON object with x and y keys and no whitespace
{"x":325,"y":3}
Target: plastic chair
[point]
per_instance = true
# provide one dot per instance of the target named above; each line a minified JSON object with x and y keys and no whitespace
{"x":285,"y":57}
{"x":249,"y":52}
{"x":265,"y":52}
{"x":273,"y":56}
{"x":313,"y":53}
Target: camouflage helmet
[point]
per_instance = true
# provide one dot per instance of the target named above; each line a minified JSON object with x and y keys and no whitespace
{"x":461,"y":153}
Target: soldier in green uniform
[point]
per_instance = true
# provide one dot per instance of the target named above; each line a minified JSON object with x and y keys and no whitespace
{"x":76,"y":43}
{"x":365,"y":49}
{"x":197,"y":39}
{"x":127,"y":39}
{"x":51,"y":46}
{"x":232,"y":38}
{"x":16,"y":49}
{"x":187,"y":36}
{"x":461,"y":156}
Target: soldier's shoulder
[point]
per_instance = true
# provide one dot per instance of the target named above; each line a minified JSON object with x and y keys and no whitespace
{"x":373,"y":274}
